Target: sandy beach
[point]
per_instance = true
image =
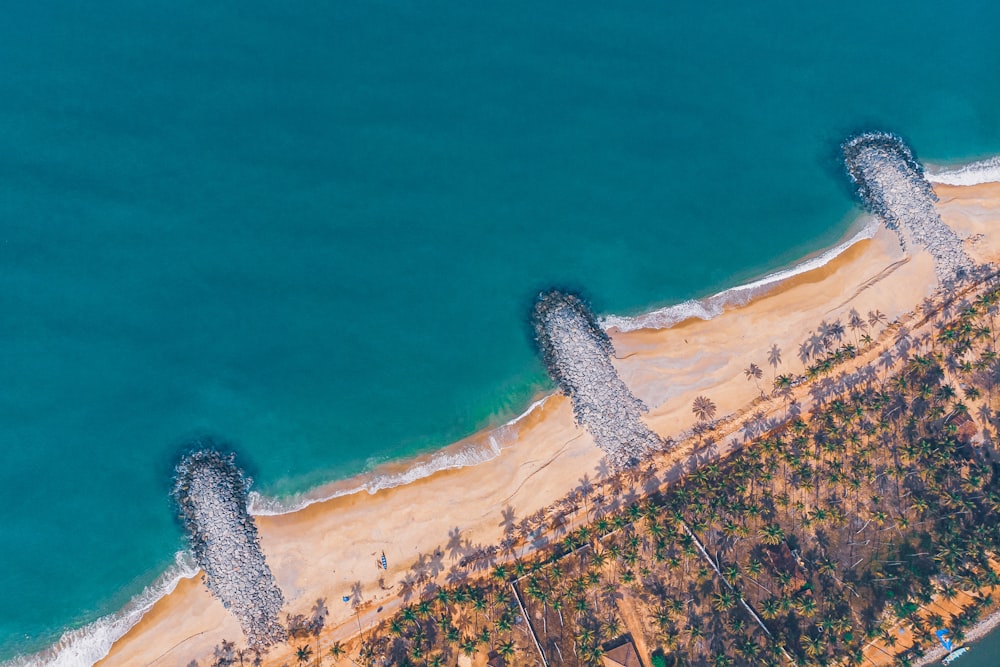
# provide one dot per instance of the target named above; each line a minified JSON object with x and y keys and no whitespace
{"x":329,"y":550}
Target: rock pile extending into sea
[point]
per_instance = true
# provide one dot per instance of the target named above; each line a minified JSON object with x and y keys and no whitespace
{"x":211,"y":492}
{"x":891,"y":184}
{"x":577,"y":353}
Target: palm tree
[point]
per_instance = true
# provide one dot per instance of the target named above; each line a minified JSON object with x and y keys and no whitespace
{"x":753,"y":372}
{"x":592,"y":654}
{"x":703,"y":408}
{"x":774,"y":358}
{"x":303,"y":653}
{"x":417,"y":651}
{"x":506,"y":649}
{"x":783,"y":384}
{"x":469,"y":645}
{"x":856,"y":323}
{"x":612,"y":628}
{"x":722,"y":660}
{"x":814,"y":645}
{"x":337,"y":650}
{"x":368,"y":653}
{"x":557,"y":606}
{"x":695,"y":633}
{"x":723,"y":601}
{"x":807,"y":606}
{"x":749,"y":649}
{"x":772,"y":535}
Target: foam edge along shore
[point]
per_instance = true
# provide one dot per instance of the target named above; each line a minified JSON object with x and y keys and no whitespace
{"x":88,"y":644}
{"x":485,"y":446}
{"x":476,"y":449}
{"x":973,"y":173}
{"x":92,"y":642}
{"x":712,"y":306}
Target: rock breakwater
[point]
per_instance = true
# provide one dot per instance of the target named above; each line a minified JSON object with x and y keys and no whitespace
{"x":577,"y":354}
{"x":892,"y":185}
{"x":211,"y":492}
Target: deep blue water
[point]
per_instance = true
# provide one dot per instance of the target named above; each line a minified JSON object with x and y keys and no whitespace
{"x":316,"y":231}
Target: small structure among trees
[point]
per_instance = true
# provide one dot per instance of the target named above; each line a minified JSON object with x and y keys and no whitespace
{"x":623,"y":655}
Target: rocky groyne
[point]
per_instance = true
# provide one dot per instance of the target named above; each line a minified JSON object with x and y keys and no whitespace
{"x":892,"y":185}
{"x":577,"y":354}
{"x":211,"y":493}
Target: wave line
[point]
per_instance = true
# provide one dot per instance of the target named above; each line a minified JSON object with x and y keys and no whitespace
{"x":711,"y":307}
{"x":974,"y":173}
{"x":92,"y":642}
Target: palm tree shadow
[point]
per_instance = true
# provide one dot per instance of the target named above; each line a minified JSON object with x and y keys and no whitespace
{"x":317,"y":618}
{"x":357,"y":594}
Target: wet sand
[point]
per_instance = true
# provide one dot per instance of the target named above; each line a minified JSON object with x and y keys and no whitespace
{"x":330,"y":549}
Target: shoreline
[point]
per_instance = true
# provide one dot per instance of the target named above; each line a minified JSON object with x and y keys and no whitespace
{"x":486,"y":444}
{"x":862,"y":227}
{"x":979,"y":631}
{"x":388,"y":474}
{"x":985,"y":170}
{"x":475,"y":449}
{"x":634,"y":354}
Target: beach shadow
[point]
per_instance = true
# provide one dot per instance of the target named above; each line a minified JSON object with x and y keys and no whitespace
{"x":508,"y":522}
{"x":301,"y":626}
{"x":357,"y":594}
{"x":408,"y":587}
{"x":317,"y":620}
{"x":455,"y":545}
{"x":602,"y":471}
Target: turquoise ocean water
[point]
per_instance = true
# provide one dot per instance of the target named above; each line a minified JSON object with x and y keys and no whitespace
{"x":316,"y":231}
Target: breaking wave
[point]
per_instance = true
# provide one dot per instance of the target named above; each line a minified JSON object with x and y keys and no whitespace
{"x":467,"y":453}
{"x":84,"y":646}
{"x":974,"y":173}
{"x":713,"y":306}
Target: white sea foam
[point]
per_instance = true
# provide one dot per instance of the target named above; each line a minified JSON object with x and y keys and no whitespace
{"x":713,"y":306}
{"x":460,"y":456}
{"x":974,"y":173}
{"x":85,"y":646}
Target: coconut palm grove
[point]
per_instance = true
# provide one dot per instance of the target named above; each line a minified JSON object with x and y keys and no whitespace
{"x":857,"y":516}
